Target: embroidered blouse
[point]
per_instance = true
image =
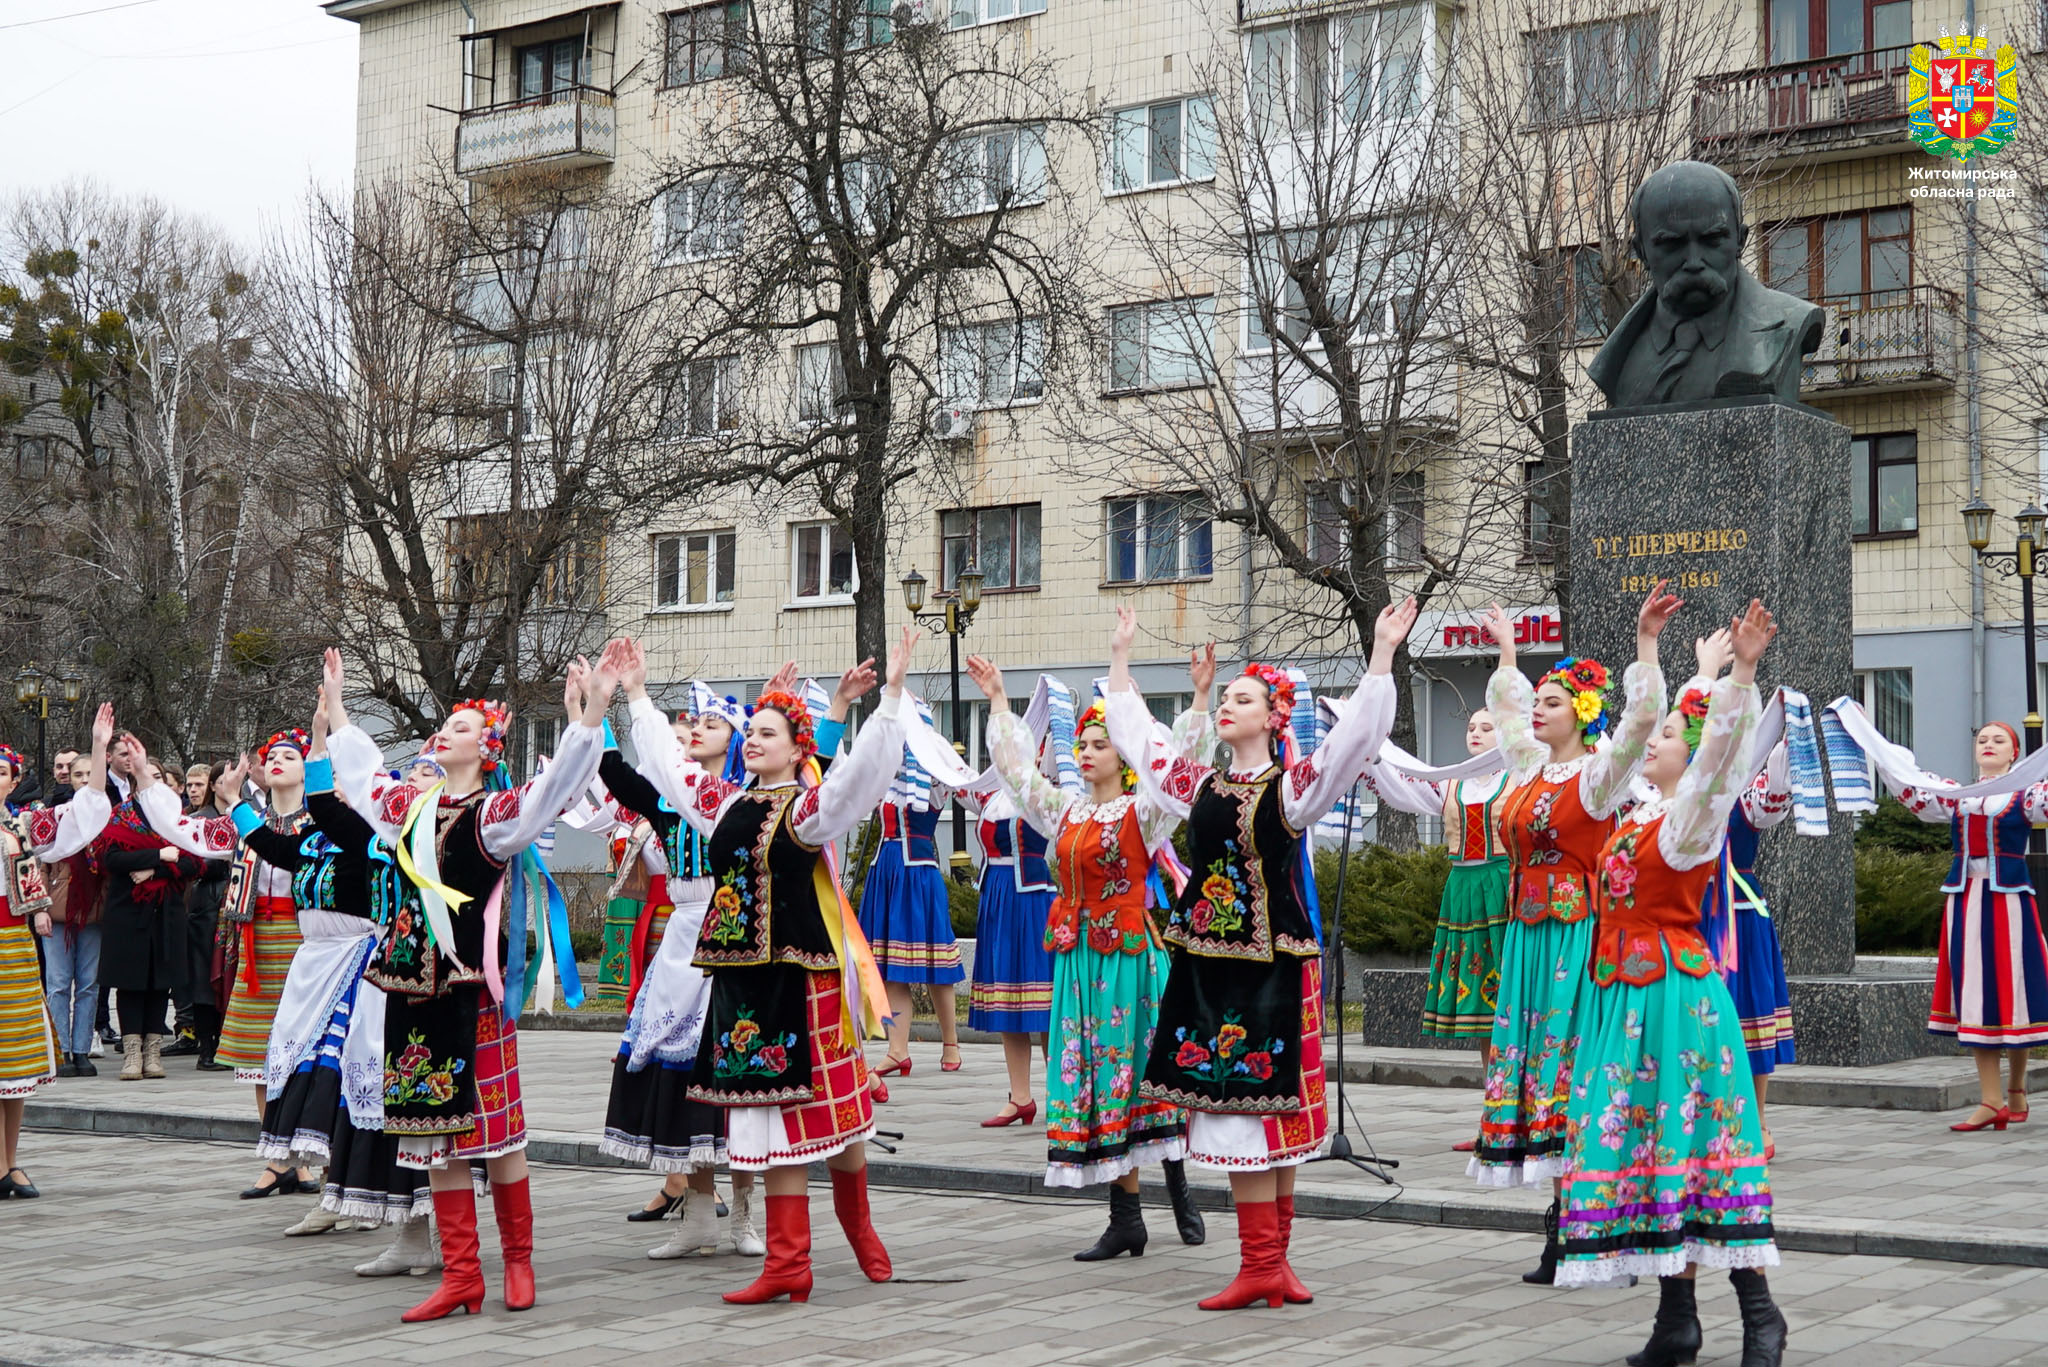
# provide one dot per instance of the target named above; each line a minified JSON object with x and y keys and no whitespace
{"x":1470,"y":808}
{"x":1604,"y":773}
{"x":57,"y":833}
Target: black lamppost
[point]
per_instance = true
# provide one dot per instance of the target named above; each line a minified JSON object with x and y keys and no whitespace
{"x":2017,"y":562}
{"x":952,"y":617}
{"x":32,"y":696}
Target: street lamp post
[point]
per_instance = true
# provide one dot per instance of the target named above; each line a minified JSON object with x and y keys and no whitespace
{"x":951,"y":617}
{"x":32,"y":697}
{"x":2017,"y":563}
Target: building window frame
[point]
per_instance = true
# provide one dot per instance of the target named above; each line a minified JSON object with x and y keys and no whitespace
{"x":1870,"y":455}
{"x":1887,"y":695}
{"x":824,"y":541}
{"x":1302,"y":75}
{"x":964,"y":539}
{"x":722,"y":26}
{"x":687,"y":562}
{"x":1141,"y":361}
{"x":553,"y":86}
{"x":1137,"y":141}
{"x":32,"y":458}
{"x":699,"y":401}
{"x":1610,"y":47}
{"x":820,"y":385}
{"x":997,"y":169}
{"x":1136,"y":532}
{"x":700,"y":219}
{"x":975,"y":13}
{"x":986,"y":366}
{"x":1879,"y":249}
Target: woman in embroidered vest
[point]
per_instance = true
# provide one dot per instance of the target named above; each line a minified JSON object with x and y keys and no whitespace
{"x":1735,"y":918}
{"x":1991,"y":965}
{"x":784,"y":1033}
{"x":1664,"y":1166}
{"x":1241,"y":1019}
{"x":1108,"y":965}
{"x":451,"y":1056}
{"x":1464,"y":959}
{"x":1559,"y":811}
{"x":1012,"y":990}
{"x":28,"y":1040}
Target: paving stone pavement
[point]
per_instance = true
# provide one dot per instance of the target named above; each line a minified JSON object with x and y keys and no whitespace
{"x":139,"y":1255}
{"x":1846,"y":1179}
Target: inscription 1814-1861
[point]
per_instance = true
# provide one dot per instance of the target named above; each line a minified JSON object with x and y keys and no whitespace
{"x":1710,"y":541}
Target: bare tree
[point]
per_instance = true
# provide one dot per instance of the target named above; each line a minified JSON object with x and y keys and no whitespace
{"x":854,"y":217}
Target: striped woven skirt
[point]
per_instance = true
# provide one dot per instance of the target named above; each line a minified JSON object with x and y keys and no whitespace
{"x":1012,"y":988}
{"x":259,"y":984}
{"x":908,"y":921}
{"x":28,"y":1044}
{"x":1991,"y":970}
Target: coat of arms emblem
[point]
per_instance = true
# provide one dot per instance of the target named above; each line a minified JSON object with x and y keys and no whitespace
{"x":1963,"y":102}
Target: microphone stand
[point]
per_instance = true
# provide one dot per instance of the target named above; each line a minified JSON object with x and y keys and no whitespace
{"x":1340,"y":1150}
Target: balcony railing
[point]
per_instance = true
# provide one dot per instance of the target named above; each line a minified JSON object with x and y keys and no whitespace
{"x":1852,"y":96}
{"x":571,"y":126}
{"x":1888,"y":340}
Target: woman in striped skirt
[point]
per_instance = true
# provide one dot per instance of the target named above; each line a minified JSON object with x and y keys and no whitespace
{"x":28,"y":1042}
{"x":1991,"y":969}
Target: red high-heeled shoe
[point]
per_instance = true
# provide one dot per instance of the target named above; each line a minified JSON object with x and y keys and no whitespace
{"x":1019,"y":1115}
{"x":878,"y":1089}
{"x":2021,"y":1111}
{"x":2000,"y":1118}
{"x":1465,"y":1146}
{"x":952,"y":1067}
{"x":894,"y":1065}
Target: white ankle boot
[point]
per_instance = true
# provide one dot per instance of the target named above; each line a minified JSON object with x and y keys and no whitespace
{"x":416,"y":1250}
{"x":319,"y":1220}
{"x":746,"y":1239}
{"x":696,"y":1230}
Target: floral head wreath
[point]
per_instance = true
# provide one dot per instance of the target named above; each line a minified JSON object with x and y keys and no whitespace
{"x":13,"y":758}
{"x":1279,"y":693}
{"x":1098,"y":715}
{"x":1692,"y":707}
{"x":1586,"y":682}
{"x":497,"y":720}
{"x":293,"y":736}
{"x":802,"y":732}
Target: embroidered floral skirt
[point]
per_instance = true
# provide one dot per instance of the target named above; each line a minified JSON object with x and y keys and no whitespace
{"x":245,"y":1028}
{"x":1763,"y":1001}
{"x":1991,"y":970}
{"x":908,"y":921}
{"x":1104,"y":1010}
{"x":1464,"y":961}
{"x":28,"y":1043}
{"x":1253,"y":1143}
{"x":1012,"y":967}
{"x":1522,"y":1117}
{"x":839,"y":1112}
{"x":1664,"y":1162}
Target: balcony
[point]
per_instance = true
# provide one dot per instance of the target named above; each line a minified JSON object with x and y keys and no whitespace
{"x":1850,"y":104}
{"x":1888,"y":342}
{"x":568,"y":127}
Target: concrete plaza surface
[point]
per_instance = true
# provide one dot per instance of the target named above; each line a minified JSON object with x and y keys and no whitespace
{"x":139,"y":1255}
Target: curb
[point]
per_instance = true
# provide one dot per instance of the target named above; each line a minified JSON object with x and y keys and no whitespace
{"x":1412,"y":1205}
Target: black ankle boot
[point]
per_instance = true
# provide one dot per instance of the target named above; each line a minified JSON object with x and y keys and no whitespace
{"x":83,"y":1064}
{"x":1186,"y":1219}
{"x":1675,"y":1333}
{"x":1126,"y":1232}
{"x":1545,"y":1271}
{"x":1763,"y":1324}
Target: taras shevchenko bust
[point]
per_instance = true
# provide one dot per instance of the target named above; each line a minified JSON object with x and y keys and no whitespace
{"x":1706,"y":327}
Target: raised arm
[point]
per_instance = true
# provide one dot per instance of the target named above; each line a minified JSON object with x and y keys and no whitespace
{"x":1767,"y":798}
{"x":861,"y":778}
{"x":1604,"y":782}
{"x":1014,"y":754}
{"x":212,"y":837}
{"x":514,"y":819}
{"x":57,"y":833}
{"x":1317,"y":781}
{"x":1417,"y":796}
{"x":1696,"y":819}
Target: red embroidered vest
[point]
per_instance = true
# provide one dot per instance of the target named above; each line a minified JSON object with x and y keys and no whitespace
{"x":1645,"y":907}
{"x":1554,"y":844}
{"x":1474,"y":827}
{"x":1101,"y":886}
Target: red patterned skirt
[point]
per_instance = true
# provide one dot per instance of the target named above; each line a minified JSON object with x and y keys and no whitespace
{"x":499,"y":1125}
{"x":1250,"y":1142}
{"x":840,"y":1112}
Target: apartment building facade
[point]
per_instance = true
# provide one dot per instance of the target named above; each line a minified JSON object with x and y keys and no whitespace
{"x":1808,"y":97}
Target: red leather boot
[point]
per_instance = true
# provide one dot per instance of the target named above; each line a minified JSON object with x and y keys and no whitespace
{"x":1258,"y":1272}
{"x":788,"y":1269}
{"x":1297,"y":1294}
{"x":462,"y":1274}
{"x":512,"y":1202}
{"x":850,"y":1204}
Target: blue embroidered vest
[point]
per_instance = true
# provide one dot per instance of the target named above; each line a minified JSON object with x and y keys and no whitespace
{"x":917,"y":832}
{"x":2002,"y":836}
{"x":1019,"y":845}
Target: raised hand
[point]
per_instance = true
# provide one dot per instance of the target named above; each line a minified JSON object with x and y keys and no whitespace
{"x":137,"y":758}
{"x":102,"y":729}
{"x":318,"y":730}
{"x":331,"y":684}
{"x":989,"y":680}
{"x":630,"y":665}
{"x":1202,"y":673}
{"x":603,"y":682}
{"x":856,"y":682}
{"x":227,"y":789}
{"x":1651,"y":618}
{"x":1396,"y":620}
{"x":1125,"y":633}
{"x":1502,"y":632}
{"x":1750,"y":634}
{"x":574,"y":682}
{"x":1713,"y":653}
{"x":900,"y":656}
{"x":784,"y":680}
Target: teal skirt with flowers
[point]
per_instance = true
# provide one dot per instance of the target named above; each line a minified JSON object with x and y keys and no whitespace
{"x":1104,"y":1010}
{"x":1664,"y":1162}
{"x":1528,"y":1088}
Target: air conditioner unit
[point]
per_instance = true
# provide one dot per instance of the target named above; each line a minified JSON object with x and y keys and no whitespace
{"x":953,"y":424}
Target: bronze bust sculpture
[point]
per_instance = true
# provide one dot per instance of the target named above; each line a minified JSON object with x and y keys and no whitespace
{"x":1706,"y":328}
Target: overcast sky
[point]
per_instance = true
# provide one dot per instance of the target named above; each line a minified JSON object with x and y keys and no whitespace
{"x":225,"y":108}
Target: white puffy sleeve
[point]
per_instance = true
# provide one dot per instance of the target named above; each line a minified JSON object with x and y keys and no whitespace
{"x":1604,"y":781}
{"x":1696,"y":819}
{"x":1511,"y":698}
{"x":689,"y":787}
{"x":1167,"y":780}
{"x":857,"y":781}
{"x":515,"y":818}
{"x":212,"y":837}
{"x":1768,"y":798}
{"x":1416,"y":796}
{"x":1041,"y":802}
{"x":1317,"y":781}
{"x":57,"y":833}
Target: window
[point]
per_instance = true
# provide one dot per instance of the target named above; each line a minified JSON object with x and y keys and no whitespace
{"x":1001,"y":542}
{"x":573,"y":574}
{"x":1364,"y":278}
{"x":1158,"y":538}
{"x":521,"y":284}
{"x":967,"y":13}
{"x":868,"y":199}
{"x":1887,"y":695}
{"x":1884,"y":484}
{"x":695,"y":570}
{"x":820,"y":383}
{"x":822,"y":562}
{"x":475,"y":558}
{"x":1159,"y":346}
{"x":1587,"y":309}
{"x":1594,"y":71}
{"x":32,"y":457}
{"x":699,"y":220}
{"x":868,"y":24}
{"x":511,"y":411}
{"x":993,"y":365}
{"x":1843,"y":256}
{"x":700,"y":402}
{"x":1162,"y":144}
{"x":1167,"y":707}
{"x":707,"y":42}
{"x":532,"y":737}
{"x":1001,"y":168}
{"x":1359,"y":68}
{"x":1539,"y":538}
{"x":1329,"y":522}
{"x":551,"y":70}
{"x":1843,"y":26}
{"x":1405,"y":514}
